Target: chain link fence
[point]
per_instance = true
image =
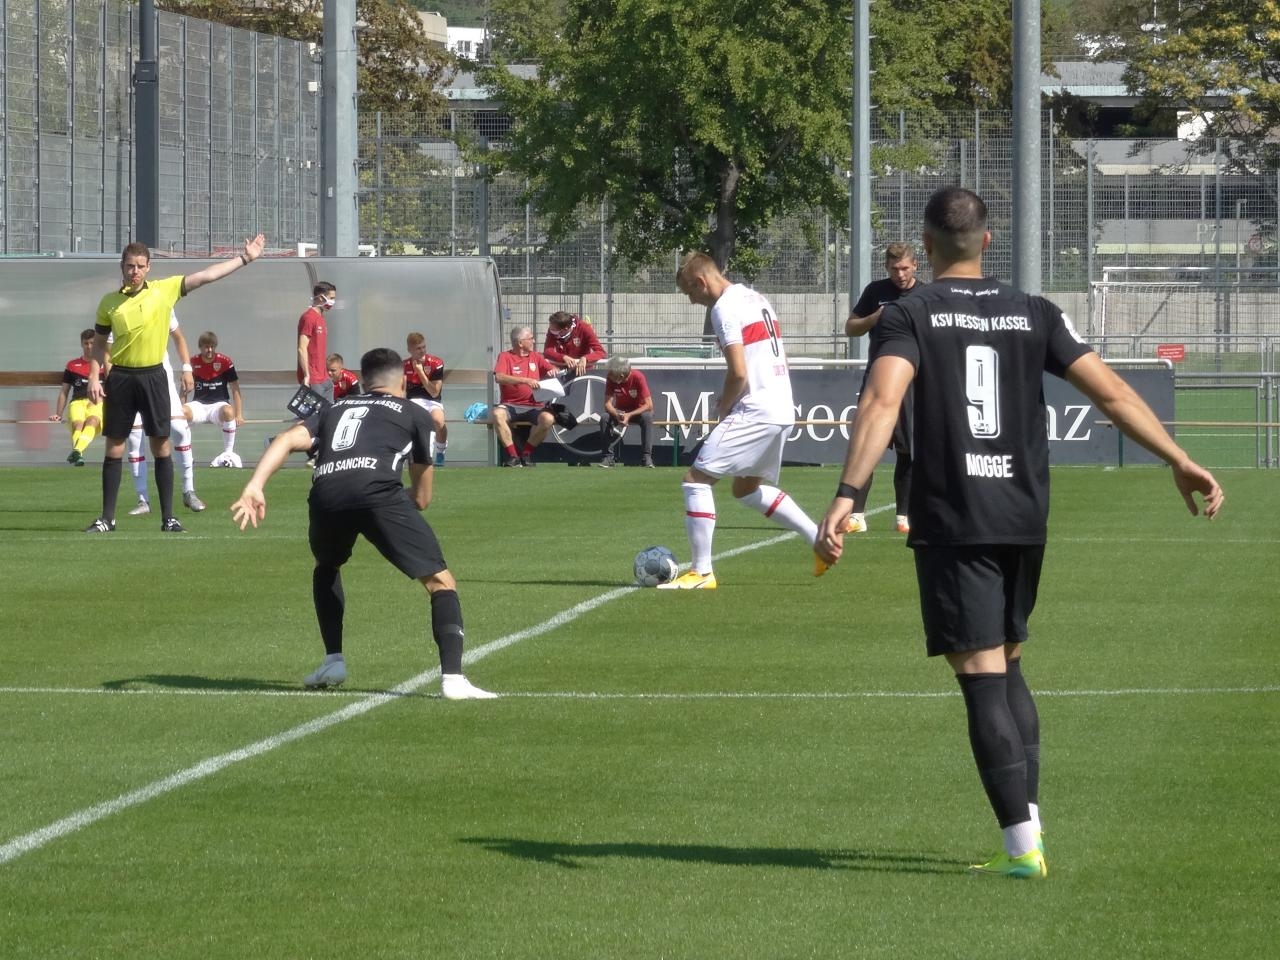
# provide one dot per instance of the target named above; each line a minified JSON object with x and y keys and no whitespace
{"x":1108,"y":207}
{"x":239,"y":131}
{"x":240,"y":120}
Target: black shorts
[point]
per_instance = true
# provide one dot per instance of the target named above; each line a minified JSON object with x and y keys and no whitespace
{"x":523,"y":414}
{"x":397,"y":529}
{"x":132,"y":391}
{"x":976,"y":597}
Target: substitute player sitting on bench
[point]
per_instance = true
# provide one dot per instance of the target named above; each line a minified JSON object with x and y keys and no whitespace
{"x":216,"y":397}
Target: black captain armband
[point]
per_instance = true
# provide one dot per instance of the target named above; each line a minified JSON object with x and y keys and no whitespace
{"x":244,"y":261}
{"x":846,"y":490}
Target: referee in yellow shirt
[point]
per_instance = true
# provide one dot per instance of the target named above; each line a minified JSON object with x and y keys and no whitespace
{"x":136,"y":316}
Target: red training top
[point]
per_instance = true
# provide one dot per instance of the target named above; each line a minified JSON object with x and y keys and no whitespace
{"x":311,"y":325}
{"x":512,"y":364}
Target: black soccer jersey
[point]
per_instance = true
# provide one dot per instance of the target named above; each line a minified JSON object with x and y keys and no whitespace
{"x":877,"y":294}
{"x":361,"y":445}
{"x":981,"y":465}
{"x":76,"y":376}
{"x":212,"y":377}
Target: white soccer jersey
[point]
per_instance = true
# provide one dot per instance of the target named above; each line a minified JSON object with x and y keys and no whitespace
{"x":743,"y":316}
{"x":175,"y":402}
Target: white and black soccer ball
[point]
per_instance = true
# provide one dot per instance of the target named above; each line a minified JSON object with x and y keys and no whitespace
{"x":655,"y":565}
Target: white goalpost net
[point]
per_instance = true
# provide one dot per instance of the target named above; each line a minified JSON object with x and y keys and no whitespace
{"x":1156,"y":303}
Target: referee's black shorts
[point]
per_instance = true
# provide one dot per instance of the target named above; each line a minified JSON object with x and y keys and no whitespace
{"x":134,"y":390}
{"x":396,"y":528}
{"x":976,"y":597}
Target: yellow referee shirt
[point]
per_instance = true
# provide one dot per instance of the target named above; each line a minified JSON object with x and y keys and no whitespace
{"x":139,"y":321}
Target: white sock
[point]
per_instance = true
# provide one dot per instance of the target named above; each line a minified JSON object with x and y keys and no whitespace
{"x":228,"y":436}
{"x":137,"y":463}
{"x":777,"y":506}
{"x":699,"y":523}
{"x":180,"y":437}
{"x":1019,"y":838}
{"x":1035,"y":816}
{"x":332,"y":657}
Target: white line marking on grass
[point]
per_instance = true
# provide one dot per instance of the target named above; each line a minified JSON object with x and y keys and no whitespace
{"x":687,"y":695}
{"x":876,"y":694}
{"x":90,"y":815}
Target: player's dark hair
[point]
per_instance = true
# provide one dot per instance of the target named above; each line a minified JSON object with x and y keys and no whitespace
{"x":207,"y":339}
{"x":381,"y":367}
{"x":956,"y":221}
{"x":135,"y":249}
{"x":323,"y":289}
{"x":560,"y":319}
{"x":87,"y":334}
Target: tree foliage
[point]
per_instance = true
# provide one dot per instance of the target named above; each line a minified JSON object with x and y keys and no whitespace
{"x":1220,"y":61}
{"x":699,"y":123}
{"x":518,"y":28}
{"x":950,"y":56}
{"x":400,"y":70}
{"x":696,"y":123}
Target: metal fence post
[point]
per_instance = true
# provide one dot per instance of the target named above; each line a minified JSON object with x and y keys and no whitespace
{"x":377,"y":179}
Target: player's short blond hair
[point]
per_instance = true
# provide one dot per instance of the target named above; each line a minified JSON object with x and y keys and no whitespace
{"x":695,"y":264}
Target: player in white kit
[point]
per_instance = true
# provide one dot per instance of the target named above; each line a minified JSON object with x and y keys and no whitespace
{"x":179,"y":433}
{"x":756,"y":412}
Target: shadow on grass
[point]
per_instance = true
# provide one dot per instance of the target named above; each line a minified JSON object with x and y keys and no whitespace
{"x":181,"y":681}
{"x":574,"y":855}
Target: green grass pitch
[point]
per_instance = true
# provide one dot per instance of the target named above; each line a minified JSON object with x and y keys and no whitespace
{"x":769,"y":770}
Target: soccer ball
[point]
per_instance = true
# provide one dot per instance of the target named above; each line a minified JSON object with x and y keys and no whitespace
{"x":655,"y":565}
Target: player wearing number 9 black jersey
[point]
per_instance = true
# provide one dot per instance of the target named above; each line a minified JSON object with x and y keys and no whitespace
{"x":756,"y":412}
{"x":361,"y":445}
{"x":977,"y":351}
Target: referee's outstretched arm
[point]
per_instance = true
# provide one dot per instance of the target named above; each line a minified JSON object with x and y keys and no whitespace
{"x":216,"y":271}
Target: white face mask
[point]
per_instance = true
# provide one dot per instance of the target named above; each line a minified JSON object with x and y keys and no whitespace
{"x":328,"y":302}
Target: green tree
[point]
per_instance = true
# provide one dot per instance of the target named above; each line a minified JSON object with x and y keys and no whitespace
{"x":1220,"y":61}
{"x":517,"y":28}
{"x":400,"y":70}
{"x":700,"y":123}
{"x":696,"y":123}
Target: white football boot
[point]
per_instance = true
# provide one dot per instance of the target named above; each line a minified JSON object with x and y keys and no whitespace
{"x":332,"y":672}
{"x":455,"y":686}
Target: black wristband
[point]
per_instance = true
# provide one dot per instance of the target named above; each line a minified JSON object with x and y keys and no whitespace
{"x":845,"y":490}
{"x":244,"y":260}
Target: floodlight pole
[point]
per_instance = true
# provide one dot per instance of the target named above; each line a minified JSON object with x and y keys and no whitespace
{"x":1026,"y":146}
{"x":860,"y":165}
{"x":146,"y":175}
{"x":339,"y":216}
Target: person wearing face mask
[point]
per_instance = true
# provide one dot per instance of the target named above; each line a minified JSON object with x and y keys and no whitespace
{"x":572,"y":345}
{"x":313,"y":341}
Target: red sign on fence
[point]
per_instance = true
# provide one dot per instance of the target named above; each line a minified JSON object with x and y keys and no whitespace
{"x":1176,"y":352}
